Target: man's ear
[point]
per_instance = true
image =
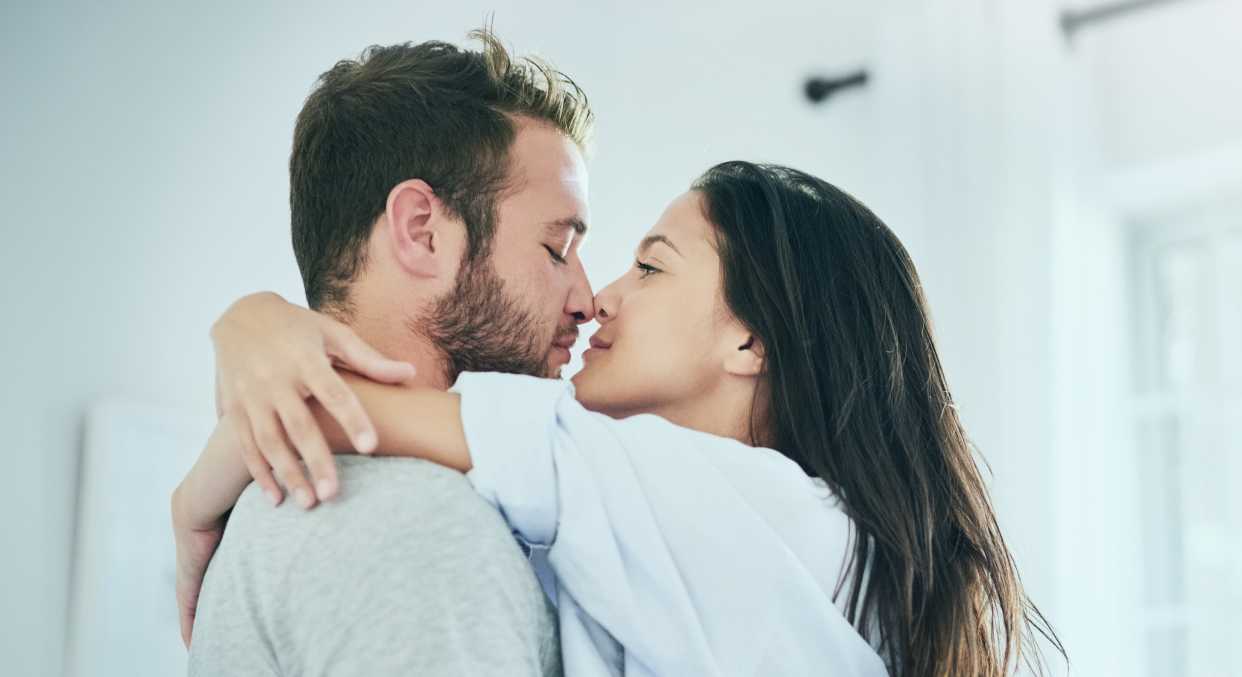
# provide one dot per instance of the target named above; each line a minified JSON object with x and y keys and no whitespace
{"x":417,"y":228}
{"x":747,"y":360}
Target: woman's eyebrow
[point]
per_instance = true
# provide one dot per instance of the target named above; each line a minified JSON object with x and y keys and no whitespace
{"x":652,"y":239}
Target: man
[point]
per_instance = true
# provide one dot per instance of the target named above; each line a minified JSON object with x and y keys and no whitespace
{"x":438,"y":197}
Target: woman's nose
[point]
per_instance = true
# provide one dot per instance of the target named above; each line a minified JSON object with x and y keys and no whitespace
{"x":606,"y":302}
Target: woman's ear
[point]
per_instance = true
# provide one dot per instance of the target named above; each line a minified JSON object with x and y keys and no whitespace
{"x":417,"y":228}
{"x":747,"y":360}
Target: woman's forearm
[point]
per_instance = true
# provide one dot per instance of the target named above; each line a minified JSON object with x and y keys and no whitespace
{"x":199,"y":506}
{"x":212,"y":486}
{"x":409,"y":421}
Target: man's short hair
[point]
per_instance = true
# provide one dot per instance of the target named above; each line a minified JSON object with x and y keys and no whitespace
{"x":431,"y":111}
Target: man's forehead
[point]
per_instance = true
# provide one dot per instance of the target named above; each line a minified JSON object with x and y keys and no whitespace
{"x":543,"y":153}
{"x":550,"y":208}
{"x":548,"y":185}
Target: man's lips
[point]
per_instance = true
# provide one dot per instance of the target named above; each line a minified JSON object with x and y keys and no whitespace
{"x":565,"y":339}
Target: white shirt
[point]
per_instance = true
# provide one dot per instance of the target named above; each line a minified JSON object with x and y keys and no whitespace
{"x":676,"y":553}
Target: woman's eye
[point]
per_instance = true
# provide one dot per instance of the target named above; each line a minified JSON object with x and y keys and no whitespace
{"x":646,"y":269}
{"x":555,"y":257}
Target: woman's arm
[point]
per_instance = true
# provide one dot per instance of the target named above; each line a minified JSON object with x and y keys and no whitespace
{"x":409,"y":421}
{"x":200,"y":506}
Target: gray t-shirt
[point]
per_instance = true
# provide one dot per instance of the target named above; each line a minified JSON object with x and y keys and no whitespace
{"x":407,"y":572}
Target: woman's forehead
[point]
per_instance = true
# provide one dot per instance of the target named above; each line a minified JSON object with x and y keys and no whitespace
{"x":682,"y":227}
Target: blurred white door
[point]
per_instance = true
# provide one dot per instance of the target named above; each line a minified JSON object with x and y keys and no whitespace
{"x":123,"y":615}
{"x":1188,"y":273}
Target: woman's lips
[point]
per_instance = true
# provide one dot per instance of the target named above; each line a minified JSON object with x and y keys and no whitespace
{"x":598,"y":345}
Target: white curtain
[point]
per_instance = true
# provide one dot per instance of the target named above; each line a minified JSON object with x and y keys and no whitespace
{"x":990,"y":173}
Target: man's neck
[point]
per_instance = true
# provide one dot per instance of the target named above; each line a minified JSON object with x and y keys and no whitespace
{"x":390,"y":334}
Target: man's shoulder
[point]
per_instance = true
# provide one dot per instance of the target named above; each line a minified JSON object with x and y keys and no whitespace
{"x":388,"y":470}
{"x":404,"y":495}
{"x":403,"y":508}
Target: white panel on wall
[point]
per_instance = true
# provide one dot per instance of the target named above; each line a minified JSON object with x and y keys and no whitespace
{"x":123,"y":613}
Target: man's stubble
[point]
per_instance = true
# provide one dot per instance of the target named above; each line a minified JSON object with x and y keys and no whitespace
{"x":479,"y":326}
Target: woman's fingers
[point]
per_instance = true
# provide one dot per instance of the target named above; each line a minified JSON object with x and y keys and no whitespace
{"x":187,"y":624}
{"x":329,"y":389}
{"x":351,"y":352}
{"x":194,"y":551}
{"x":307,"y":438}
{"x":268,"y":350}
{"x":270,"y":437}
{"x":255,"y":463}
{"x":187,"y":606}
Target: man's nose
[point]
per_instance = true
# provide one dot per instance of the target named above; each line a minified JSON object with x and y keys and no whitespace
{"x":580,"y":304}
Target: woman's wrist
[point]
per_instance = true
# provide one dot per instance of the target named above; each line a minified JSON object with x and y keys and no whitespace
{"x":214,"y":484}
{"x":411,"y":421}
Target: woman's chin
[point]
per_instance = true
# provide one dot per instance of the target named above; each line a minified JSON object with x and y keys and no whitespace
{"x":583,"y":385}
{"x":610,"y":389}
{"x":590,"y":389}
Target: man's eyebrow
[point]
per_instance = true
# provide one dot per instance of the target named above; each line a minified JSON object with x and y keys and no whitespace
{"x":652,"y":239}
{"x":578,"y":225}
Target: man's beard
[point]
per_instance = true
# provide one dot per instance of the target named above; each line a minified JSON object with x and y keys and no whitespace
{"x":479,"y":327}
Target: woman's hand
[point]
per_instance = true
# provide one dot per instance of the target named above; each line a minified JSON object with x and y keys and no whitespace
{"x":271,"y":357}
{"x":200,"y":507}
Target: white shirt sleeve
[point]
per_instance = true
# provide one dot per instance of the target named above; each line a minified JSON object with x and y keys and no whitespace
{"x":662,"y":567}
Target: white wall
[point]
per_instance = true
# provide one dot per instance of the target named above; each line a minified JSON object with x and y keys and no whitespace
{"x":143,"y":187}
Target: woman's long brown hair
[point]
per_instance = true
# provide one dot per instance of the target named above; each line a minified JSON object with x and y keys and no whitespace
{"x":855,"y":394}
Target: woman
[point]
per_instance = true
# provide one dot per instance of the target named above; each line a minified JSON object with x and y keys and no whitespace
{"x":766,"y":309}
